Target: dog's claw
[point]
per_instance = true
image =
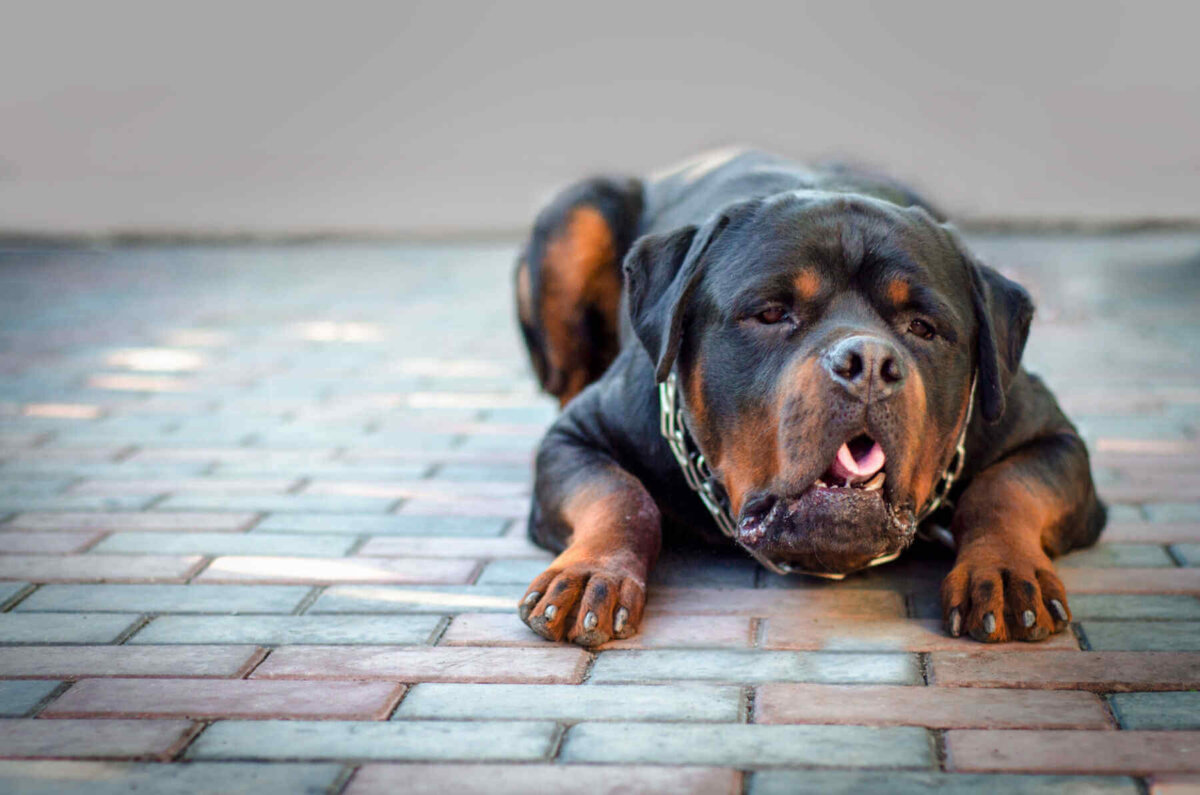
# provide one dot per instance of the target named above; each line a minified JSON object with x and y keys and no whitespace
{"x":526,"y":606}
{"x":955,"y":623}
{"x":550,"y":612}
{"x":590,"y":621}
{"x":619,"y":620}
{"x":1059,"y":611}
{"x":989,"y":623}
{"x":1027,"y":618}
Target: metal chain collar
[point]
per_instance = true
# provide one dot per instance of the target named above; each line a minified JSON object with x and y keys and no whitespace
{"x":701,"y":480}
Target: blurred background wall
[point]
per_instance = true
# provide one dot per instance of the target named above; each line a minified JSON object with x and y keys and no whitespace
{"x":413,"y":117}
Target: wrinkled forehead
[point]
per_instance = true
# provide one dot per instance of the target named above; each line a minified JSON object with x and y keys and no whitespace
{"x":811,"y":240}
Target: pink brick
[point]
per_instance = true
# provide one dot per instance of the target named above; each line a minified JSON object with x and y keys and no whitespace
{"x":510,"y":507}
{"x":1175,"y":785}
{"x":935,"y":707}
{"x":431,"y":779}
{"x":43,"y":739}
{"x":1137,"y":753}
{"x":1065,"y":670}
{"x":1134,"y":581}
{"x":99,"y":568}
{"x":901,"y":634}
{"x":226,"y":698}
{"x":82,"y":662}
{"x":47,"y":543}
{"x":456,"y":547}
{"x":657,"y":632}
{"x":188,"y":485}
{"x":828,"y":603}
{"x":116,"y":521}
{"x":552,"y":664}
{"x":1151,"y":533}
{"x":432,"y":488}
{"x":328,"y":571}
{"x":234,"y":455}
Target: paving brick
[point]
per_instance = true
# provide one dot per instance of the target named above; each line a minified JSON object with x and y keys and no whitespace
{"x":18,"y":697}
{"x":326,"y":571}
{"x":889,"y":635}
{"x":200,"y":778}
{"x":402,"y":740}
{"x":1141,"y":532}
{"x":753,"y":666}
{"x":559,"y":664}
{"x":831,"y":782}
{"x":285,"y":630}
{"x":505,"y":507}
{"x":1141,"y":581}
{"x":829,"y":603}
{"x":742,"y":745}
{"x":232,"y":698}
{"x":937,"y":708}
{"x":429,"y":487}
{"x":78,"y":662}
{"x":657,"y":632}
{"x":1175,"y":785}
{"x":1172,"y":511}
{"x":225,"y":544}
{"x":46,"y":543}
{"x":1142,"y":636}
{"x":1100,"y":671}
{"x":369,"y":524}
{"x":205,"y":485}
{"x":572,"y":702}
{"x":1171,"y":710}
{"x":426,"y":779}
{"x":165,"y":598}
{"x":99,"y":568}
{"x":450,"y":547}
{"x":1061,"y":751}
{"x":64,"y":627}
{"x":1101,"y":606}
{"x":120,"y":739}
{"x":32,"y":503}
{"x":1117,"y":556}
{"x":116,"y":521}
{"x":282,"y":503}
{"x":439,"y":599}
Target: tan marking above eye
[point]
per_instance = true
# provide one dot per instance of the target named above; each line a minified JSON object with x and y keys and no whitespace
{"x":808,"y":284}
{"x":897,"y":291}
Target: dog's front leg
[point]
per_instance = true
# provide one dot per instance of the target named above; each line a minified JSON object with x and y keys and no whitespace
{"x":608,"y":531}
{"x":1036,"y":502}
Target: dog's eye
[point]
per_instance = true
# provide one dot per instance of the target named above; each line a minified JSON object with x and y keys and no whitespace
{"x":921,"y":329}
{"x":772,"y":315}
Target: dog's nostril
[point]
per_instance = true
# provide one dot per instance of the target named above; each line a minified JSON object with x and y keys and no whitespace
{"x":851,"y":366}
{"x":890,"y":371}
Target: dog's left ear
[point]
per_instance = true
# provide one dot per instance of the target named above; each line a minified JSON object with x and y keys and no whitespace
{"x":1004,"y":311}
{"x":661,"y":273}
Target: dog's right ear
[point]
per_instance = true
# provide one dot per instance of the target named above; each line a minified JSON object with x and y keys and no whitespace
{"x":661,"y":273}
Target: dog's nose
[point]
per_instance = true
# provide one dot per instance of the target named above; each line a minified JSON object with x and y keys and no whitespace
{"x":869,"y":368}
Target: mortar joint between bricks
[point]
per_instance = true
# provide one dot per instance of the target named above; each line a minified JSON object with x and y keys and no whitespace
{"x":592,"y":656}
{"x":308,"y":600}
{"x":1076,"y":629}
{"x":133,"y":629}
{"x":18,"y":597}
{"x":557,"y":740}
{"x":396,"y":506}
{"x":924,"y":665}
{"x":359,"y":543}
{"x":300,"y":485}
{"x":439,"y":631}
{"x":758,"y":633}
{"x":939,"y":748}
{"x":749,"y":696}
{"x":49,"y":698}
{"x":342,"y":779}
{"x":1175,"y":556}
{"x":198,"y":728}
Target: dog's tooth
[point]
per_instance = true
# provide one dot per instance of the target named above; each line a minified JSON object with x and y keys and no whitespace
{"x":875,"y":483}
{"x":820,"y":484}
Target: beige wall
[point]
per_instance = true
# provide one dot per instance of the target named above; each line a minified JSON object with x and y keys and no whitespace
{"x":435,"y":116}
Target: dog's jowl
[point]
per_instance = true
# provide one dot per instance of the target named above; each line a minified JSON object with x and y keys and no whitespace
{"x":806,"y":363}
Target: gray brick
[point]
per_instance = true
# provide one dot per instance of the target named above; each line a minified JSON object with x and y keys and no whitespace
{"x":1123,"y":606}
{"x":370,"y":524}
{"x":441,"y":599}
{"x":830,"y":782}
{"x":75,"y":502}
{"x":513,"y":473}
{"x":404,"y":740}
{"x":1172,"y":511}
{"x":1169,"y":710}
{"x":510,"y":572}
{"x":744,"y":745}
{"x":18,"y":697}
{"x":227,"y":544}
{"x":1188,"y":553}
{"x":222,"y":599}
{"x":754,"y":666}
{"x":1117,"y":555}
{"x":1142,"y":635}
{"x":63,"y":627}
{"x":282,"y":503}
{"x":285,"y":630}
{"x":201,"y":778}
{"x":572,"y":702}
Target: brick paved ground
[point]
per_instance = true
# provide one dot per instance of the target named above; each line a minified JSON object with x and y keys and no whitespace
{"x":261,"y":516}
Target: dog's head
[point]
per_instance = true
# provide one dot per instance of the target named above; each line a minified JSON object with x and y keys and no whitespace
{"x":825,"y":347}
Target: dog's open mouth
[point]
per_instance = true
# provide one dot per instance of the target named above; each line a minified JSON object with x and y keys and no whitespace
{"x":857,"y":465}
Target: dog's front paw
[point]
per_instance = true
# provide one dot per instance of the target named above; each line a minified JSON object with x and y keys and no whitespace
{"x":996,"y":594}
{"x":588,"y":601}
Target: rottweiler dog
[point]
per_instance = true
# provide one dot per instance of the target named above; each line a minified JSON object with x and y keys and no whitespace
{"x":805,"y":361}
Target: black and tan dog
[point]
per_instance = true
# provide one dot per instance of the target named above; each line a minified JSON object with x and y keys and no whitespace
{"x":806,"y":360}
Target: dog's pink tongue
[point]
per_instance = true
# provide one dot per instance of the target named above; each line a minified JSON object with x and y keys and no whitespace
{"x":864,"y":466}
